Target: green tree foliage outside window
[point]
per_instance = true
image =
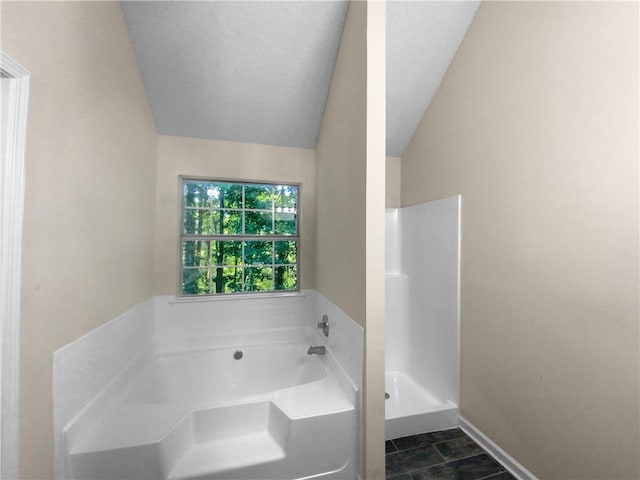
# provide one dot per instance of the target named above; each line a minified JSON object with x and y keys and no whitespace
{"x":238,"y":237}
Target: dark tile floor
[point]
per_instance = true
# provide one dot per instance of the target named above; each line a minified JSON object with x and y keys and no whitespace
{"x":444,"y":455}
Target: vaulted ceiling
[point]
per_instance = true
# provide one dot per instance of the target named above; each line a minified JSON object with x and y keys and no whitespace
{"x":422,"y":39}
{"x":260,"y":72}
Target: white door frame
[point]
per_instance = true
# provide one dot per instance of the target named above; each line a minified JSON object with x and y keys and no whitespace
{"x":14,"y":102}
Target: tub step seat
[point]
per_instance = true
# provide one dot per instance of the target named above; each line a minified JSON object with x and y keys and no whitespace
{"x":316,"y":398}
{"x":233,"y":437}
{"x":131,"y":425}
{"x":135,"y":442}
{"x":227,"y":454}
{"x":149,"y":442}
{"x":241,"y":458}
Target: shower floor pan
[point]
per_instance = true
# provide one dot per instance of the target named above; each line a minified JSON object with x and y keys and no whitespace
{"x":410,"y":409}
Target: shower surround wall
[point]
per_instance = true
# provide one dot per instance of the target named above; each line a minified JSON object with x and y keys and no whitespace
{"x":422,"y":317}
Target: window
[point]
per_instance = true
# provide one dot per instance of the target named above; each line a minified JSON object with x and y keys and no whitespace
{"x":238,"y":237}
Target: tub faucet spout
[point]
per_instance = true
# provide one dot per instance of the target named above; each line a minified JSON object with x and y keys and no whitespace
{"x":316,"y":350}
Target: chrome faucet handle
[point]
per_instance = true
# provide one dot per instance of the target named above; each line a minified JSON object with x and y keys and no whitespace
{"x":324,"y":325}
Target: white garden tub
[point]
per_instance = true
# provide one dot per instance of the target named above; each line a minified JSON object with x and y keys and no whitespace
{"x":253,"y":411}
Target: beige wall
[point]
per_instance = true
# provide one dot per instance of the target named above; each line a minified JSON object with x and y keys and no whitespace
{"x":341,"y":170}
{"x":350,"y":221}
{"x":536,"y":125}
{"x":217,"y":159}
{"x":374,"y":367}
{"x":89,"y":209}
{"x":393,"y":182}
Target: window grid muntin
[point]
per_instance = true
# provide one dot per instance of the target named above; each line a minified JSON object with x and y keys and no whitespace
{"x":211,"y":267}
{"x":273,"y":237}
{"x":243,"y":209}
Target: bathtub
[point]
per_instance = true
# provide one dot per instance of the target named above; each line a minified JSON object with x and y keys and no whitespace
{"x":253,"y":410}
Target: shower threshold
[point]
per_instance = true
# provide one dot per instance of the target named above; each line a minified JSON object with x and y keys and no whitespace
{"x":411,"y":409}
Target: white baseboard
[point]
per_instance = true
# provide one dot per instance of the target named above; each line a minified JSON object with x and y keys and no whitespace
{"x":506,"y":460}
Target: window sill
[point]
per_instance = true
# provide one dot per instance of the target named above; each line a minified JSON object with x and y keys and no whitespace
{"x":236,"y":297}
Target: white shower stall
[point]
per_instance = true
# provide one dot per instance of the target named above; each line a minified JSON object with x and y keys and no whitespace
{"x":422,"y":331}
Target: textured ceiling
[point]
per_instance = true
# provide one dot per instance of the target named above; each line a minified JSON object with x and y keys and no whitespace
{"x":260,"y":71}
{"x":255,"y":72}
{"x":422,"y":39}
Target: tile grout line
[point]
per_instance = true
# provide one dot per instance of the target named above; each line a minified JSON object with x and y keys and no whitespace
{"x":483,"y":452}
{"x":463,"y":435}
{"x":502,"y":469}
{"x":488,"y":477}
{"x":471,"y":456}
{"x":408,"y":472}
{"x":445,"y":461}
{"x":394,"y":446}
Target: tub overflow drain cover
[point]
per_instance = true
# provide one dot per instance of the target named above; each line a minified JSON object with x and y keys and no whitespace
{"x":237,"y":355}
{"x":386,"y":396}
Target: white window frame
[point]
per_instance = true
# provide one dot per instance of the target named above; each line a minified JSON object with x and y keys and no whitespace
{"x":183,"y":179}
